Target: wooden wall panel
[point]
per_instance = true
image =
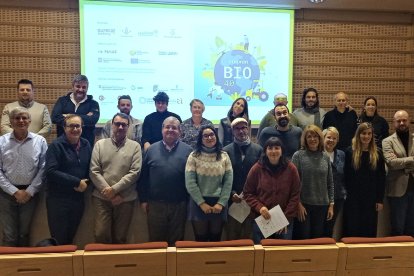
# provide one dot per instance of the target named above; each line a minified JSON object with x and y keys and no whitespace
{"x":41,"y":45}
{"x":357,"y":57}
{"x":361,"y":59}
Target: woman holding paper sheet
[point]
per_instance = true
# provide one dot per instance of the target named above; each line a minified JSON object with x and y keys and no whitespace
{"x":272,"y":181}
{"x":317,"y":188}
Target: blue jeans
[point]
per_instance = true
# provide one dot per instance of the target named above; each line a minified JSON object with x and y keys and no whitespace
{"x":402,"y":214}
{"x":16,"y":219}
{"x":258,"y":236}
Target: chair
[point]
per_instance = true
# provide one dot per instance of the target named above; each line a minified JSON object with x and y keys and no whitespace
{"x":377,"y":256}
{"x":62,"y":260}
{"x":218,"y":258}
{"x":125,"y":259}
{"x":299,"y":257}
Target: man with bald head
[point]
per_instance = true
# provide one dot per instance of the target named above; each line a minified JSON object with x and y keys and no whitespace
{"x":399,"y":157}
{"x":343,"y":118}
{"x":161,"y":189}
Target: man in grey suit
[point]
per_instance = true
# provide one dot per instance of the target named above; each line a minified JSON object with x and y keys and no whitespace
{"x":399,"y":157}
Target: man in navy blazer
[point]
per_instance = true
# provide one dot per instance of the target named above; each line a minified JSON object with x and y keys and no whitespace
{"x":399,"y":157}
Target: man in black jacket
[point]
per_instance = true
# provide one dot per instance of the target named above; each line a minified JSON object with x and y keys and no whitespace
{"x":77,"y":102}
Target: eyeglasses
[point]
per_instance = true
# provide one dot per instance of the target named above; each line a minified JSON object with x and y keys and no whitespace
{"x":209,"y":135}
{"x":172,"y":127}
{"x":243,"y":128}
{"x":118,"y":124}
{"x":23,"y":118}
{"x":73,"y":126}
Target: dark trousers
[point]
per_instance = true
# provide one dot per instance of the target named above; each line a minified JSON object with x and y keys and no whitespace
{"x":402,"y":214}
{"x":16,"y":219}
{"x":313,"y":226}
{"x":166,"y":221}
{"x":208,"y":230}
{"x":64,"y":216}
{"x":360,"y":217}
{"x":236,"y":230}
{"x":330,"y":224}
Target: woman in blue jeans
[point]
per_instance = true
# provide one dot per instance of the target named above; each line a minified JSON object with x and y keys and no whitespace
{"x":272,"y":181}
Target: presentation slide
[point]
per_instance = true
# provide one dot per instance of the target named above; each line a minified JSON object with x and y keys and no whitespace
{"x":215,"y":54}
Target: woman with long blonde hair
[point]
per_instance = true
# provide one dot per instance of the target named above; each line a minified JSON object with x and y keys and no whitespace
{"x":365,"y":184}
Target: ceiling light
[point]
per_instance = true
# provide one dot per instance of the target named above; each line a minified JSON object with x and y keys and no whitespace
{"x":316,"y":1}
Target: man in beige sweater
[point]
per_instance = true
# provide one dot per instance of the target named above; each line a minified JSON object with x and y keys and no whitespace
{"x":41,"y":123}
{"x":115,"y":168}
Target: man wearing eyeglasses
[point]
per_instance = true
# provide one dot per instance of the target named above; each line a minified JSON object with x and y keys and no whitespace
{"x":22,"y":161}
{"x":161,"y":189}
{"x":243,"y":155}
{"x":77,"y":102}
{"x":115,"y":168}
{"x":67,"y":173}
{"x":135,"y":125}
{"x":40,"y":118}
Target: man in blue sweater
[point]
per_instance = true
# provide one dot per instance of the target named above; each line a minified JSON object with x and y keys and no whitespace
{"x":161,"y":189}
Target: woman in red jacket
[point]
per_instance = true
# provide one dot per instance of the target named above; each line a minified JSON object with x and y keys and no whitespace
{"x":273,"y":180}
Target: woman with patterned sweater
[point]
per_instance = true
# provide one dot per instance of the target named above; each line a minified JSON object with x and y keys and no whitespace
{"x":208,"y":179}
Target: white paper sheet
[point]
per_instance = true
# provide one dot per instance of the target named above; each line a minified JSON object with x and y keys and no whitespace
{"x":239,"y":211}
{"x":276,"y":222}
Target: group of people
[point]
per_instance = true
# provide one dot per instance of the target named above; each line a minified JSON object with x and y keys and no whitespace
{"x":188,"y":171}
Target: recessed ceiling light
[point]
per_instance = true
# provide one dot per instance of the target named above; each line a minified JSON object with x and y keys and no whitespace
{"x":316,"y":1}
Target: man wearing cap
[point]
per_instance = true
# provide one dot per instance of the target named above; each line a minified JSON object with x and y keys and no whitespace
{"x":135,"y":125}
{"x":243,"y":155}
{"x":269,"y":118}
{"x":287,"y":133}
{"x":151,"y":131}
